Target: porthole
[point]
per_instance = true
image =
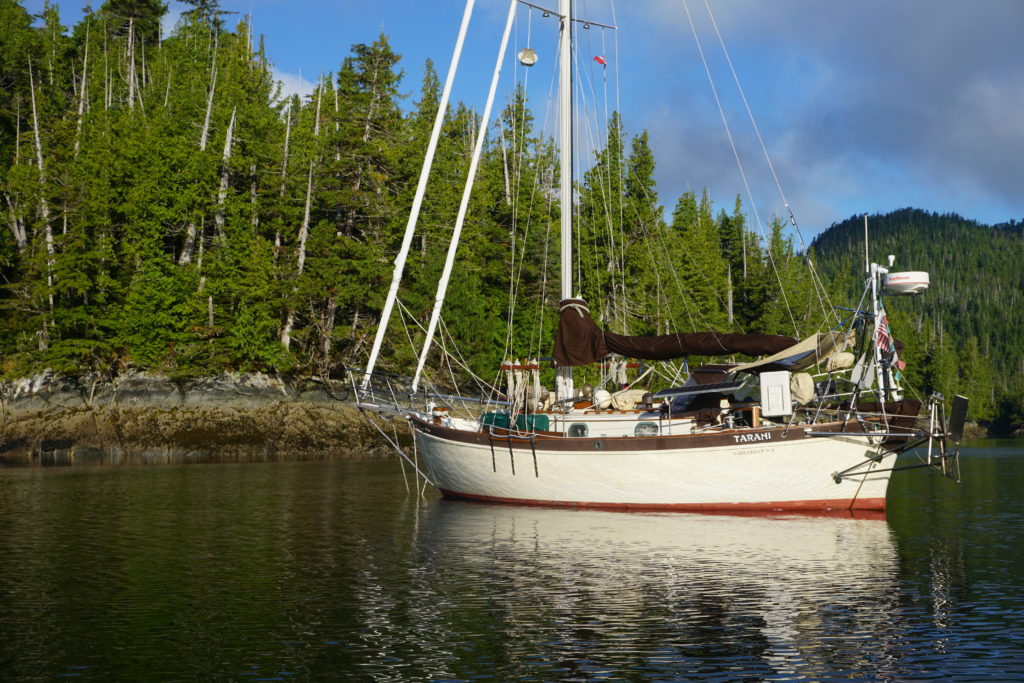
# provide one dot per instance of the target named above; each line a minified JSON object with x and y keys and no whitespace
{"x":578,"y":430}
{"x":646,"y":429}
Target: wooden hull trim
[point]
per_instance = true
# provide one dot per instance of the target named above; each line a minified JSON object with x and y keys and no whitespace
{"x":551,"y":442}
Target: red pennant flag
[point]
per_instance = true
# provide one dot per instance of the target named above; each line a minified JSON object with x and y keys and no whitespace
{"x":601,"y":60}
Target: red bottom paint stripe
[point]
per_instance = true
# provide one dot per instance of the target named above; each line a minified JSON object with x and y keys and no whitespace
{"x":862,"y":508}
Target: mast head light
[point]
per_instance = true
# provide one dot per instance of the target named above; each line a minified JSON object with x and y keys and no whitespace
{"x":527,"y":57}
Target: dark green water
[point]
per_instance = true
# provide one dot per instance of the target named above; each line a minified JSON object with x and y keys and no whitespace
{"x":319,"y":570}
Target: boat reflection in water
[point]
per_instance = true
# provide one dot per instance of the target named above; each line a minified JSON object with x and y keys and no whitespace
{"x":590,"y":591}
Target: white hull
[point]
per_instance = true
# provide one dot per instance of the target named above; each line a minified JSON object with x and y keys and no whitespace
{"x":780,"y":471}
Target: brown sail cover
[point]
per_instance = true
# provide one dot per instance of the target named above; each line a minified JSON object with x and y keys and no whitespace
{"x":579,"y":341}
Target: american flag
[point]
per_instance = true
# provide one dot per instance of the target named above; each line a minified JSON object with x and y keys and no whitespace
{"x":883,"y":337}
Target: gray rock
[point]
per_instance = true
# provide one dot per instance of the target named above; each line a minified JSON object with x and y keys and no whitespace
{"x":145,"y":418}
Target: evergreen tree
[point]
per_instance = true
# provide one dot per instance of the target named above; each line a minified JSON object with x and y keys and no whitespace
{"x":648,"y":281}
{"x":702,"y":272}
{"x":599,"y":230}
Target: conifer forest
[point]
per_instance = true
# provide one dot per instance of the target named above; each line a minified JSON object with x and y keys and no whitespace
{"x":168,"y":209}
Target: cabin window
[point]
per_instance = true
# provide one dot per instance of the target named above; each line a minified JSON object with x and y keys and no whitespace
{"x":578,"y":429}
{"x":646,"y":429}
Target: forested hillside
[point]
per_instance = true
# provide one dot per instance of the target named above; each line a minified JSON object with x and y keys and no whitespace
{"x":166,"y":208}
{"x":967,"y":330}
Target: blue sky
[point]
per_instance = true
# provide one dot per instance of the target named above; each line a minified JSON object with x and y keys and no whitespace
{"x":864,"y":106}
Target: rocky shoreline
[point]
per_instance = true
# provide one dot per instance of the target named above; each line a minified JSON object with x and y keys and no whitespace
{"x":146,"y":418}
{"x":143,"y":418}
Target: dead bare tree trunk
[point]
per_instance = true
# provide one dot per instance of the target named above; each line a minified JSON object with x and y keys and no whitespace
{"x":188,"y":248}
{"x":131,"y":62}
{"x":107,"y":88}
{"x":209,"y":99}
{"x":199,"y":261}
{"x":319,"y":96}
{"x":504,"y":164}
{"x":337,"y":124}
{"x":44,"y":207}
{"x":300,"y":260}
{"x":222,"y":193}
{"x":142,"y":69}
{"x":327,"y":331}
{"x":190,"y":244}
{"x":254,"y":198}
{"x":202,"y":246}
{"x":284,"y":177}
{"x":82,"y":90}
{"x":17,"y":224}
{"x":357,"y":184}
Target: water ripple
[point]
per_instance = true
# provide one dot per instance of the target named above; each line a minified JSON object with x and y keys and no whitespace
{"x":329,"y":570}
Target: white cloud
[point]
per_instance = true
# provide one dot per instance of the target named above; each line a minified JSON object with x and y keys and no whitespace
{"x":293,"y":84}
{"x":864,"y":106}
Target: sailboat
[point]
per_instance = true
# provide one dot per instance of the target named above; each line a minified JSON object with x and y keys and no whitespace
{"x":815,"y":424}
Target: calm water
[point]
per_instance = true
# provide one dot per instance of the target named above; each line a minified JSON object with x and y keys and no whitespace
{"x":317,"y":570}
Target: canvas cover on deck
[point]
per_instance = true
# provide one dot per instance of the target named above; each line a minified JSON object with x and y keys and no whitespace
{"x":579,"y":341}
{"x":807,"y":353}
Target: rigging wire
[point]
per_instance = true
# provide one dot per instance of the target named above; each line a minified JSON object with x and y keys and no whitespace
{"x":739,"y":163}
{"x":515,"y":285}
{"x":546,"y":167}
{"x":611,"y":183}
{"x":519,"y":140}
{"x":604,"y":182}
{"x":823,"y":298}
{"x":597,"y":171}
{"x":606,"y":172}
{"x":483,"y":386}
{"x":508,"y":193}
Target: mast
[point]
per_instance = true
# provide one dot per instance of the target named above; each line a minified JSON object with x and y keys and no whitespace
{"x":564,"y":387}
{"x":565,"y":142}
{"x":888,"y":389}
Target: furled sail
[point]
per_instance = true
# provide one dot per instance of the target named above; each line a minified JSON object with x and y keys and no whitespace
{"x":579,"y":341}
